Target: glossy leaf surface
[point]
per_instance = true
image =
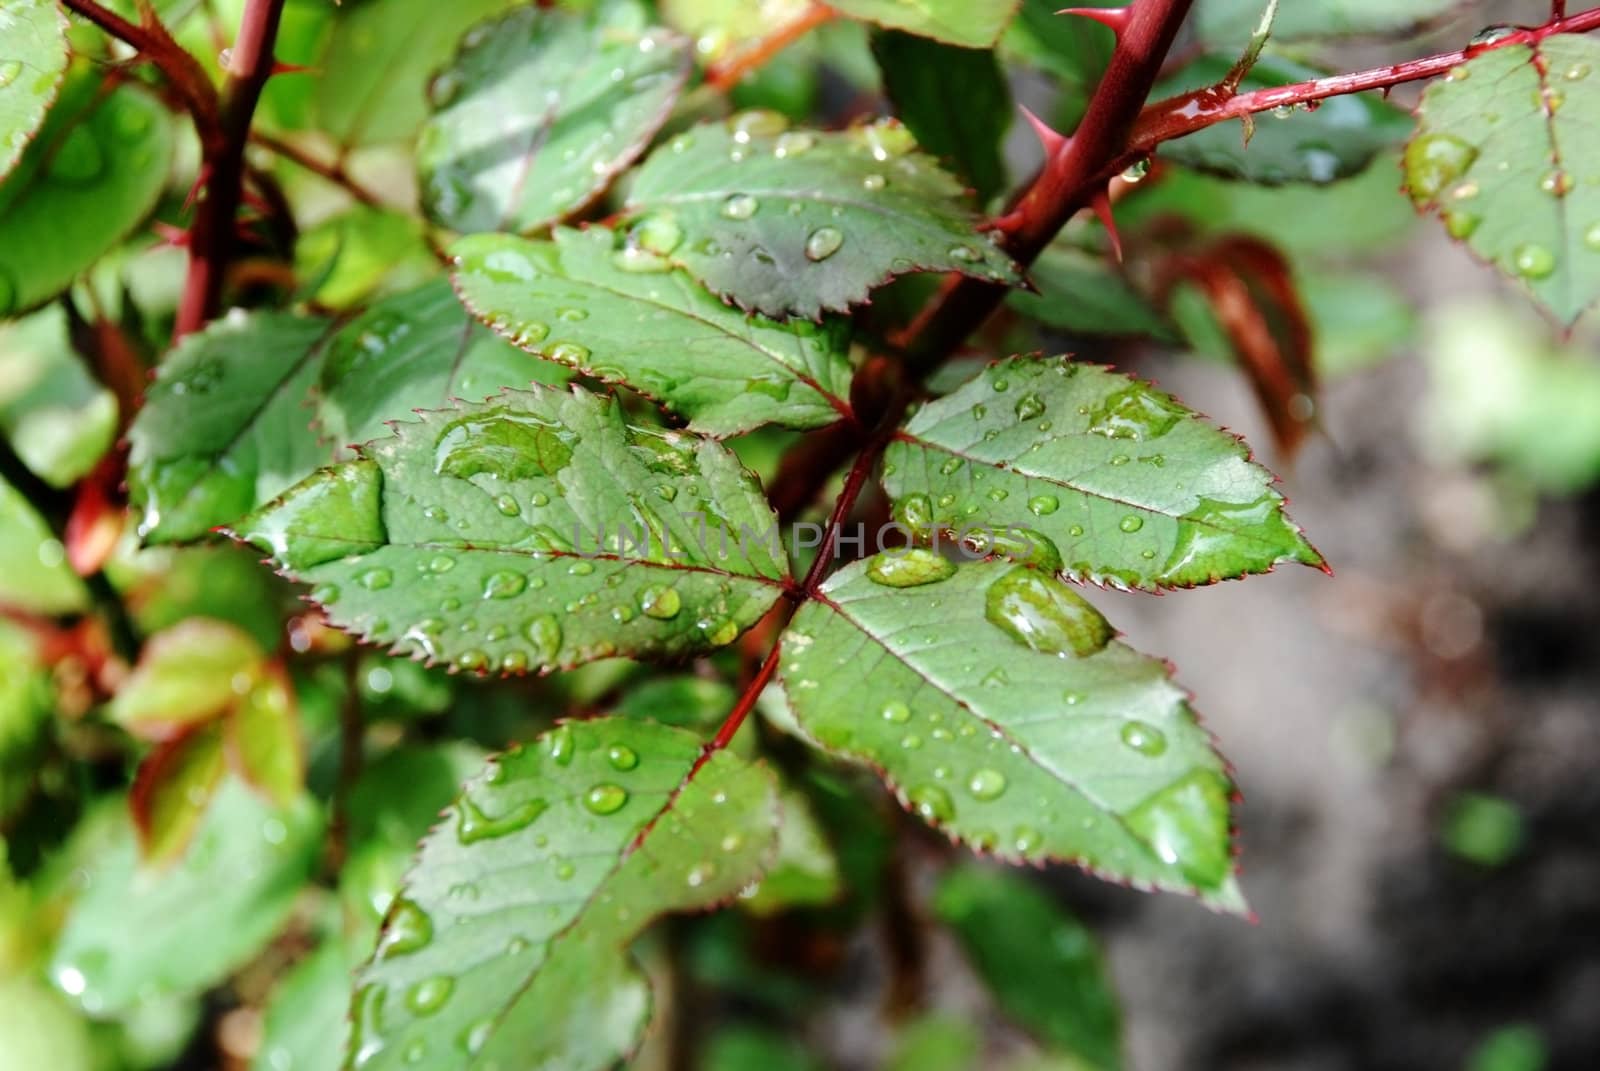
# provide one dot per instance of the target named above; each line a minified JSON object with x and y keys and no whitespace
{"x":969,"y":23}
{"x":543,"y":872}
{"x":1502,"y":154}
{"x":227,"y":423}
{"x":1091,"y":474}
{"x":782,"y":221}
{"x":540,"y":111}
{"x":33,"y":59}
{"x":582,"y":301}
{"x":1229,"y":23}
{"x":534,"y":531}
{"x":1026,"y":731}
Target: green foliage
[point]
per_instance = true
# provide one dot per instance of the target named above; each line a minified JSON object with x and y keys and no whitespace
{"x":517,"y":336}
{"x":1500,"y":155}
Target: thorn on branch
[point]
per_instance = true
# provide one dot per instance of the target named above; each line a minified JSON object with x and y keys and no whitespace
{"x":1052,"y":140}
{"x":1115,"y":18}
{"x":1101,"y":203}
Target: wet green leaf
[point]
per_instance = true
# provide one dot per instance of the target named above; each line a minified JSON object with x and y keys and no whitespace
{"x":1026,"y":731}
{"x":1501,"y":154}
{"x":1336,"y":140}
{"x":362,"y":253}
{"x":33,"y":59}
{"x":227,"y":423}
{"x":954,"y":100}
{"x":969,"y":23}
{"x":263,"y":739}
{"x":545,"y":870}
{"x":34,"y":574}
{"x":531,"y":532}
{"x":1228,"y":24}
{"x":1090,"y":474}
{"x":581,"y":301}
{"x":415,"y":350}
{"x":540,"y":111}
{"x":40,"y":1030}
{"x":1081,"y":292}
{"x":1041,"y":963}
{"x":304,"y":1028}
{"x":137,"y":933}
{"x":372,"y":78}
{"x":58,"y":419}
{"x":784,"y":221}
{"x":804,"y":873}
{"x":83,"y":184}
{"x":174,"y":787}
{"x":192,"y":672}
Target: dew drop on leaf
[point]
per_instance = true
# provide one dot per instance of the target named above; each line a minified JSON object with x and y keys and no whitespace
{"x":430,"y":994}
{"x":740,"y":206}
{"x":987,"y":784}
{"x":1143,"y":737}
{"x":1043,"y":505}
{"x":1533,"y":261}
{"x":1026,"y":839}
{"x":1186,"y":825}
{"x":931,"y":803}
{"x":1043,"y":614}
{"x":561,"y":745}
{"x":622,"y":757}
{"x":544,"y":633}
{"x":895,"y":711}
{"x":408,"y":930}
{"x":504,"y":585}
{"x":605,"y":799}
{"x":1029,"y":406}
{"x":660,"y":602}
{"x":823,"y":243}
{"x":1132,"y":522}
{"x":1434,"y":161}
{"x":909,"y":568}
{"x":874,"y":182}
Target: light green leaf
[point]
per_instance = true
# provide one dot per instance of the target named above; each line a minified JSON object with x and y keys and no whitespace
{"x":535,"y":531}
{"x":1091,"y":474}
{"x":1081,"y":292}
{"x":1501,"y":153}
{"x":994,"y":701}
{"x":371,"y":81}
{"x":1229,"y":23}
{"x":34,"y":574}
{"x":39,"y":1030}
{"x":263,"y":738}
{"x":540,"y":111}
{"x":136,"y":933}
{"x":956,"y":101}
{"x":90,"y":177}
{"x":1337,"y":140}
{"x":174,"y":788}
{"x":969,"y":23}
{"x":804,"y":873}
{"x":581,"y":300}
{"x":361,"y":253}
{"x":543,"y":873}
{"x":59,"y":420}
{"x":304,"y":1028}
{"x":27,"y":703}
{"x":785,"y":221}
{"x":415,"y":350}
{"x":33,"y":59}
{"x":1041,"y":963}
{"x":192,"y":672}
{"x":226,"y":425}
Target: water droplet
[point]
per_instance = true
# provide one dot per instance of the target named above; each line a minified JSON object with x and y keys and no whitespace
{"x":658,"y":233}
{"x":1043,"y":505}
{"x":1132,"y":522}
{"x":1026,"y":840}
{"x":823,"y":243}
{"x":572,"y":316}
{"x":895,"y":711}
{"x":874,"y":182}
{"x":1435,"y":161}
{"x":505,"y":585}
{"x":325,"y":594}
{"x":909,"y":568}
{"x":507,"y":505}
{"x":1029,"y":406}
{"x":1144,"y":738}
{"x":472,"y":660}
{"x":659,"y":602}
{"x":700,"y":873}
{"x":605,"y":799}
{"x":630,"y":258}
{"x":544,"y":632}
{"x":987,"y":784}
{"x":476,"y":1036}
{"x":622,"y":757}
{"x":1591,"y":236}
{"x":430,"y":994}
{"x":915,"y":512}
{"x":1556,"y":183}
{"x":1489,"y":35}
{"x":407,"y":930}
{"x":740,"y":206}
{"x":1136,"y":170}
{"x":792,"y":143}
{"x":1186,"y":825}
{"x":565,"y":870}
{"x":474,"y":825}
{"x":1134,"y":412}
{"x":580,"y":568}
{"x":1577,"y":72}
{"x":1461,"y":225}
{"x":1533,"y":261}
{"x":1045,"y":615}
{"x":964,"y":253}
{"x":950,"y":467}
{"x":561,"y":745}
{"x":756,"y":123}
{"x":931,"y":803}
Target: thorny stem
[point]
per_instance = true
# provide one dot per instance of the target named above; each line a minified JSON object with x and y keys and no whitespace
{"x":725,"y":75}
{"x":181,"y":70}
{"x":211,"y":243}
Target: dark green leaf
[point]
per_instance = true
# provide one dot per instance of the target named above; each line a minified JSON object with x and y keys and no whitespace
{"x":1503,"y":154}
{"x":583,"y":301}
{"x":1073,"y":49}
{"x":1092,"y":475}
{"x":371,"y":81}
{"x":27,"y":704}
{"x":785,"y":221}
{"x":994,"y":701}
{"x":1338,"y":139}
{"x":804,"y":873}
{"x":135,"y":934}
{"x":1041,"y":963}
{"x":954,"y":100}
{"x":1229,"y":23}
{"x":544,"y":872}
{"x":532,"y":532}
{"x":59,"y":420}
{"x":969,"y":23}
{"x":90,"y":177}
{"x":227,"y":424}
{"x":1081,"y":292}
{"x":33,"y":59}
{"x":540,"y":111}
{"x":415,"y":350}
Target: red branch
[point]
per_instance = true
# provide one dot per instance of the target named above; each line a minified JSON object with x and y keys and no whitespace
{"x":332,"y":172}
{"x":725,"y":75}
{"x":154,"y":43}
{"x":211,"y":243}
